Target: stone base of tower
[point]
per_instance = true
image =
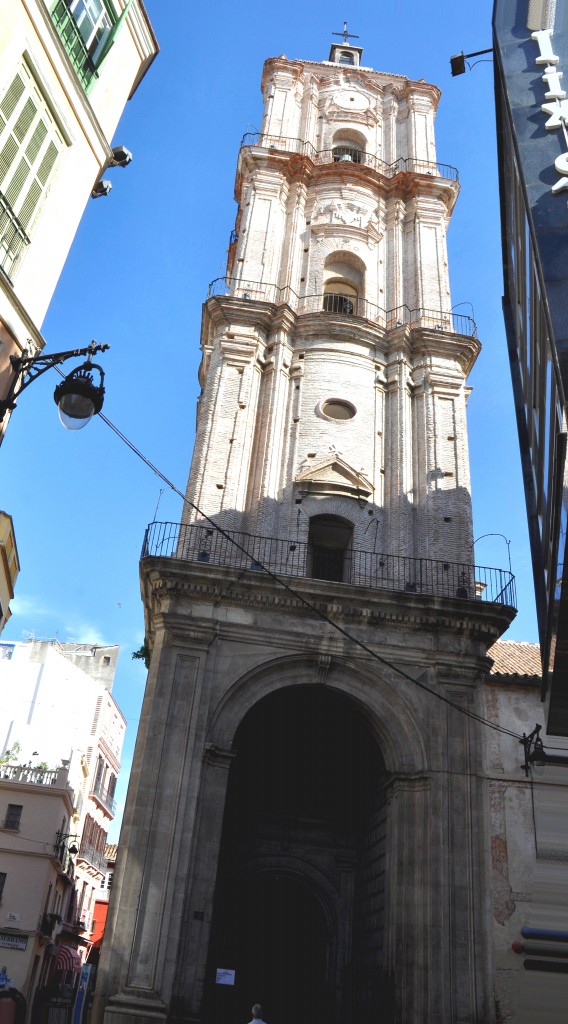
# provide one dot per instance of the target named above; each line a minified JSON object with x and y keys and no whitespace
{"x":281,"y":768}
{"x":128,"y":1008}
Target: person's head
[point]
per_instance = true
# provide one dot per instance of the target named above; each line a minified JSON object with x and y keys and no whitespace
{"x":257,"y":1011}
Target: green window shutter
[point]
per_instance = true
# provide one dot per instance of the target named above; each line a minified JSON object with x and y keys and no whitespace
{"x":17,"y":182}
{"x":11,"y":99}
{"x":36,"y":142}
{"x":29,"y":204}
{"x":8,"y":154}
{"x":47,"y":164}
{"x":30,"y":144}
{"x":25,"y":120}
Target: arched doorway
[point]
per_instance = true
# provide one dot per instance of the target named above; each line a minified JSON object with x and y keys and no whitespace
{"x":300,"y":895}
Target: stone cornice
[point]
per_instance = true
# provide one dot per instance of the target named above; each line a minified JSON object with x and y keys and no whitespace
{"x":167,"y":581}
{"x":294,"y":167}
{"x":445,"y":344}
{"x":329,"y":73}
{"x":334,"y":327}
{"x":226,"y":310}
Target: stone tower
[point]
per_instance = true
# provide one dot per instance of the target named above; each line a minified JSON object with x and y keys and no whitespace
{"x":305,"y":824}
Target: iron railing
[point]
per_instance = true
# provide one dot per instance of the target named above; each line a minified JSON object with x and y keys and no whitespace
{"x":370,"y":569}
{"x":103,"y":795}
{"x":88,"y":852}
{"x":13,"y":237}
{"x":343,"y":305}
{"x":338,"y":154}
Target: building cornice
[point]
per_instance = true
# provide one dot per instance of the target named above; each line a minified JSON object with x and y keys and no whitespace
{"x":170,"y":586}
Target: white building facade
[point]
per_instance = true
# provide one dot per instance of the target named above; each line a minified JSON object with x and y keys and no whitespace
{"x":67,"y":71}
{"x":59,"y":715}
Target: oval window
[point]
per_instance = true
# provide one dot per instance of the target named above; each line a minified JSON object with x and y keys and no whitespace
{"x":338,"y":409}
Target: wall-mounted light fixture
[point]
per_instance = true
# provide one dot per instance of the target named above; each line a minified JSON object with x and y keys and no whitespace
{"x":458,"y":61}
{"x":536,"y":755}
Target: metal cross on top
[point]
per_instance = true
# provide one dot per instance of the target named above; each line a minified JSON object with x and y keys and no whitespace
{"x":346,"y":35}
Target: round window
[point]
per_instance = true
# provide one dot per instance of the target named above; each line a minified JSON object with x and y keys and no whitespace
{"x":338,"y":409}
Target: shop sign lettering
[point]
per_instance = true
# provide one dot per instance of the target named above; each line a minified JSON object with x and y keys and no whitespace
{"x":13,"y":941}
{"x":556,"y":106}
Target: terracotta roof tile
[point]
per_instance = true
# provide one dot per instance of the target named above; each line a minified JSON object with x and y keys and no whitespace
{"x":515,"y":658}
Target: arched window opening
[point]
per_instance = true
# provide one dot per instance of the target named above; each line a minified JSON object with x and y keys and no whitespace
{"x":346,"y":58}
{"x":329,"y":543}
{"x":348,"y":146}
{"x":343,"y":277}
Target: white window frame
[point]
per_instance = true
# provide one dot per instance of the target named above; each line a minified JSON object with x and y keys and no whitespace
{"x":94,"y":24}
{"x":32,"y":142}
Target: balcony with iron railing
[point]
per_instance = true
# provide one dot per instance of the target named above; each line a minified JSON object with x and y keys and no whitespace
{"x":13,"y":238}
{"x":371,"y":570}
{"x":343,"y":305}
{"x":344,"y":155}
{"x":88,"y":852}
{"x":105,"y":798}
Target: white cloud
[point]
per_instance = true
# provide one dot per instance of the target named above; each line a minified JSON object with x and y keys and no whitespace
{"x":22,"y":604}
{"x":83,"y":632}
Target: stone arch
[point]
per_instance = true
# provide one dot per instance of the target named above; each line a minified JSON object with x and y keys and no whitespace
{"x":349,"y":145}
{"x":343,"y":282}
{"x":386,"y":709}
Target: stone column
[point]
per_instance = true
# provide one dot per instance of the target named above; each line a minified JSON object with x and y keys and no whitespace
{"x":156,"y":838}
{"x":190,"y":956}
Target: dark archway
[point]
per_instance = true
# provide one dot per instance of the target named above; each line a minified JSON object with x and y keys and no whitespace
{"x":299,"y":902}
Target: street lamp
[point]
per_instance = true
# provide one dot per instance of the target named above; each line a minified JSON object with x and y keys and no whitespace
{"x":535,"y":754}
{"x":78,"y":397}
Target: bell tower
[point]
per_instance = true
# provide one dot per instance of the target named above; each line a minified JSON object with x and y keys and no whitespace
{"x":334,"y":371}
{"x":305,"y":821}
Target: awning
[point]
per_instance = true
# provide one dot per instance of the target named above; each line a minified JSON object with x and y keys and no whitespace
{"x":68,"y":959}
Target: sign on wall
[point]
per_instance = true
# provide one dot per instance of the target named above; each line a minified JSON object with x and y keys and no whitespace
{"x":557,"y":105}
{"x":13,"y":941}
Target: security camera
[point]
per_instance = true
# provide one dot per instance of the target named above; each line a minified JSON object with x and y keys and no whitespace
{"x":102,"y":188}
{"x":121,"y":156}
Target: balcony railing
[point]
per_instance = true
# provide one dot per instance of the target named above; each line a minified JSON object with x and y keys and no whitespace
{"x":74,"y":45}
{"x":13,"y":237}
{"x":104,"y":797}
{"x":293,"y":558}
{"x":22,"y":773}
{"x":338,"y":155}
{"x":343,"y":305}
{"x":94,"y":857}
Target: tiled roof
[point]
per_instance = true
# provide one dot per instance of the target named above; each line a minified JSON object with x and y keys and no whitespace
{"x":515,"y":658}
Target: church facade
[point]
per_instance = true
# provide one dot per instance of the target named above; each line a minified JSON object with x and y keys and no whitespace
{"x":307,"y":820}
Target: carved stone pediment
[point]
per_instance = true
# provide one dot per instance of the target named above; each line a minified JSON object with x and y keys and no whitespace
{"x":333,"y":476}
{"x":351,"y":218}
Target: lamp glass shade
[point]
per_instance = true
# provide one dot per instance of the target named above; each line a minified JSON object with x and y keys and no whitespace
{"x":78,"y":398}
{"x":75,"y":411}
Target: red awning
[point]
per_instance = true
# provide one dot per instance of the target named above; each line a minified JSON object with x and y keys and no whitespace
{"x":68,"y":959}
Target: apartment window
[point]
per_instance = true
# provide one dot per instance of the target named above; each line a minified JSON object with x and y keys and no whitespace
{"x":3,"y":877}
{"x":30,"y":143}
{"x":13,"y":816}
{"x":84,"y":27}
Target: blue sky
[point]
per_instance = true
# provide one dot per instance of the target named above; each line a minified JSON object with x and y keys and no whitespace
{"x":137,"y":276}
